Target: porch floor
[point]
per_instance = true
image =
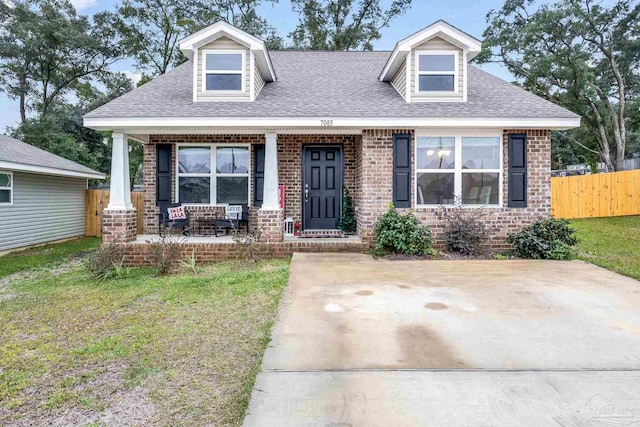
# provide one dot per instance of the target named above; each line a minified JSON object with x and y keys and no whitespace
{"x":226,"y":239}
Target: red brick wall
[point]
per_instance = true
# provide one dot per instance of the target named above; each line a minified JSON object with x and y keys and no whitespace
{"x":368,"y":166}
{"x":377,"y":167}
{"x":119,"y":226}
{"x":137,"y":254}
{"x":289,"y":161}
{"x":149,"y":174}
{"x":290,"y":166}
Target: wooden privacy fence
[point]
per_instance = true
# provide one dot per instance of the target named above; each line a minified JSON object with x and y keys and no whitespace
{"x":97,"y":201}
{"x":598,"y":195}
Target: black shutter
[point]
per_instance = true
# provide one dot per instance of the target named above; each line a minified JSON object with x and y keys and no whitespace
{"x":258,"y":174}
{"x":402,"y":170}
{"x":163,"y":173}
{"x":517,"y":170}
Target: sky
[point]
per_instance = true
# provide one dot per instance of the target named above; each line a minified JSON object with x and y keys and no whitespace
{"x":467,"y":15}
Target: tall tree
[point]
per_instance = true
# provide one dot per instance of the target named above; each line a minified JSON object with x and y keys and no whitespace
{"x":342,"y":24}
{"x":153,"y":28}
{"x":576,"y":53}
{"x":62,"y":132}
{"x":47,"y":50}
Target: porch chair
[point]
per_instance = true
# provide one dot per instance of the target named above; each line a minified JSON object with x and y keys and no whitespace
{"x":235,"y":216}
{"x":165,"y":223}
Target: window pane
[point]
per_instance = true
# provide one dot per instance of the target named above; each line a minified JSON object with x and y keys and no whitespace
{"x":435,"y":188}
{"x":232,"y":160}
{"x":480,"y":153}
{"x":232,"y":190}
{"x":436,"y":153}
{"x":194,"y":160}
{"x":224,"y":82}
{"x":195,"y":190}
{"x":224,"y":61}
{"x":436,"y":83}
{"x":437,"y":62}
{"x":480,"y":188}
{"x":5,"y":196}
{"x":5,"y":180}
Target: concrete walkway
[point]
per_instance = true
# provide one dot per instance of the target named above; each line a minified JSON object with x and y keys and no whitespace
{"x":360,"y":342}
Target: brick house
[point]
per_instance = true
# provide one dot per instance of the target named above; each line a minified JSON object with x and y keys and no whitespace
{"x":416,"y":126}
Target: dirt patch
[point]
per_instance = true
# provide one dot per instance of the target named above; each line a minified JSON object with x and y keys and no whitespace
{"x":404,"y":287}
{"x":364,"y":293}
{"x":422,"y":348}
{"x":103,"y":400}
{"x":436,"y":306}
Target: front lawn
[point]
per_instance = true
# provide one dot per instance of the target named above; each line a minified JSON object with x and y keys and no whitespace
{"x":613,"y":243}
{"x":177,"y":350}
{"x":45,"y":255}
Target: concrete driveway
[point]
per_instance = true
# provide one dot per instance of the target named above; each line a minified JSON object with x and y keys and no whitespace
{"x":360,"y":342}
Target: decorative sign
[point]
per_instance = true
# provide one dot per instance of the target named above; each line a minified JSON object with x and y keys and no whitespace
{"x":234,"y":211}
{"x":177,"y":213}
{"x":281,"y":196}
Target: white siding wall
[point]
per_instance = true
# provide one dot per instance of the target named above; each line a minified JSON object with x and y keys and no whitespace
{"x":45,"y":208}
{"x":224,"y":43}
{"x":399,"y":81}
{"x":436,"y":44}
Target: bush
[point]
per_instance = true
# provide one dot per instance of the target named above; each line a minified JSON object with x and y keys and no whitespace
{"x":347,"y":222}
{"x":106,"y":262}
{"x":251,"y":246}
{"x":165,"y":253}
{"x":465,"y":233}
{"x":402,"y":234}
{"x":546,"y":238}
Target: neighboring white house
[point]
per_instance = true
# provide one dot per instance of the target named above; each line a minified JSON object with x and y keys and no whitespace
{"x":42,"y":196}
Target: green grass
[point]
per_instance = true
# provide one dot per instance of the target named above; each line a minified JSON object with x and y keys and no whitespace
{"x":140,"y":350}
{"x":45,"y":255}
{"x":612,"y":243}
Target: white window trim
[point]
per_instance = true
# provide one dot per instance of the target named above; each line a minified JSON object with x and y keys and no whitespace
{"x":10,"y":188}
{"x":211,"y":175}
{"x":456,"y":71}
{"x":243,"y":70}
{"x":457,"y":170}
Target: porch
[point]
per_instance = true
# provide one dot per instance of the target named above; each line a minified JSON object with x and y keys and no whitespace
{"x":282,"y":181}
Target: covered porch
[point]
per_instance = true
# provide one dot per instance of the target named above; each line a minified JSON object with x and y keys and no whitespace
{"x":285,"y":181}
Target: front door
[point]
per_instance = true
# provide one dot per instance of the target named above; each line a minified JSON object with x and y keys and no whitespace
{"x":321,"y":187}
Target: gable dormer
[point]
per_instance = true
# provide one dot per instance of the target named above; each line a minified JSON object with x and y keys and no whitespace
{"x":431,"y":65}
{"x":228,"y":64}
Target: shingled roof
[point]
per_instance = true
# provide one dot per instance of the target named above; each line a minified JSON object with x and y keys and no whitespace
{"x":18,"y":155}
{"x":335,"y":84}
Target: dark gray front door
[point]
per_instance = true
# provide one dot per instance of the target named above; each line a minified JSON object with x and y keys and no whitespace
{"x":322,"y":187}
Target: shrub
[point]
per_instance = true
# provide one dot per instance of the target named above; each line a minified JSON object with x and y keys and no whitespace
{"x":251,"y":246}
{"x":165,"y":253}
{"x":106,"y":262}
{"x":545,"y":238}
{"x":402,"y":234}
{"x":347,"y":222}
{"x":464,"y":233}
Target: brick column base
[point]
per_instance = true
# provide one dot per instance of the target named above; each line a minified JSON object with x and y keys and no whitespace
{"x":271,"y":222}
{"x":119,"y":226}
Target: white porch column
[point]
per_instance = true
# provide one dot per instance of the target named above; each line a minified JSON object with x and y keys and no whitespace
{"x":270,"y":194}
{"x":120,"y":195}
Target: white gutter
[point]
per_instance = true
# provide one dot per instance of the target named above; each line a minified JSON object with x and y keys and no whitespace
{"x":20,"y":167}
{"x":157,"y":124}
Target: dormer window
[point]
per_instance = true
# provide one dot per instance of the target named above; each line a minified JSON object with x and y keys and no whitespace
{"x":437,"y":71}
{"x":223,"y":71}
